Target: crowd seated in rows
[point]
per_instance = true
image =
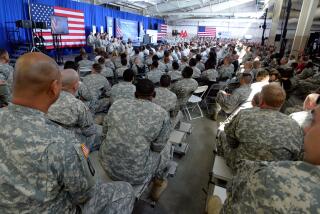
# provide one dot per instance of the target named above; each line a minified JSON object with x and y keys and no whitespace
{"x":121,"y":83}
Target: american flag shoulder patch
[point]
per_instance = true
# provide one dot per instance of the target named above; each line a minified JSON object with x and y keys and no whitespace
{"x":85,"y":150}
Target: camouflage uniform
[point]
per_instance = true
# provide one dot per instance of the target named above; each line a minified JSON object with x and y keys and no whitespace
{"x":307,"y":86}
{"x":175,"y":75}
{"x":276,"y":187}
{"x":85,"y":66}
{"x":123,"y":90}
{"x":107,"y":72}
{"x":99,"y":88}
{"x":229,"y":103}
{"x":155,"y":75}
{"x":200,"y":66}
{"x":74,"y":115}
{"x":306,"y":73}
{"x":184,"y":89}
{"x":4,"y":95}
{"x":6,"y":71}
{"x":226,"y":72}
{"x":166,"y":99}
{"x":210,"y":74}
{"x":261,"y":134}
{"x":121,"y":70}
{"x":136,"y":145}
{"x":196,"y":72}
{"x":43,"y":170}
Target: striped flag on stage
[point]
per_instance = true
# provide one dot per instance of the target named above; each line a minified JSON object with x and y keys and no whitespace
{"x":162,"y":31}
{"x":204,"y":31}
{"x":118,"y":29}
{"x":76,"y":26}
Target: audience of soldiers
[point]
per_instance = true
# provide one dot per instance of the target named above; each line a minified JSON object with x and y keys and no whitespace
{"x":50,"y":125}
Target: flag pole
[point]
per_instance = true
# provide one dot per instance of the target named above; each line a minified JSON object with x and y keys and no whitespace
{"x":34,"y":48}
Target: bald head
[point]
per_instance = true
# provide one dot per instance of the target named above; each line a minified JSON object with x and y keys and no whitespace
{"x":70,"y":78}
{"x":37,"y":79}
{"x":312,"y":145}
{"x":272,"y":96}
{"x":311,"y":102}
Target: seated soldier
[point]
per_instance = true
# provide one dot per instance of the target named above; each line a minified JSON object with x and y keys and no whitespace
{"x":155,"y":74}
{"x":124,"y":66}
{"x":5,"y":95}
{"x":107,"y":72}
{"x":304,"y":117}
{"x":262,"y":133}
{"x":6,"y":70}
{"x":184,"y":88}
{"x":72,"y":113}
{"x":262,"y":78}
{"x":85,"y":65}
{"x":136,"y":148}
{"x":167,"y":99}
{"x":196,"y":72}
{"x":175,"y":74}
{"x":184,"y":63}
{"x":307,"y":71}
{"x":43,"y":168}
{"x":277,"y":187}
{"x":99,"y":88}
{"x":229,"y":102}
{"x":125,"y":89}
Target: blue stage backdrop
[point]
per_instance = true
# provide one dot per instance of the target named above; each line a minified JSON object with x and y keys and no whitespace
{"x":13,"y":10}
{"x":127,"y":29}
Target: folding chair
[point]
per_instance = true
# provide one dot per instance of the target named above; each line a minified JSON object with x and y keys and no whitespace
{"x":210,"y":97}
{"x":177,"y":139}
{"x":194,"y":101}
{"x":220,"y":171}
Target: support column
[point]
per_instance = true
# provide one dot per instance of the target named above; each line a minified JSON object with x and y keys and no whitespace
{"x":302,"y":34}
{"x":275,"y":21}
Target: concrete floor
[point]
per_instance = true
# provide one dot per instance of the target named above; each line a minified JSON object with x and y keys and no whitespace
{"x":185,"y":194}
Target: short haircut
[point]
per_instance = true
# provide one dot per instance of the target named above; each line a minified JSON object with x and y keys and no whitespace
{"x":70,"y":65}
{"x":124,"y":61}
{"x":247,"y":77}
{"x":155,"y":64}
{"x":3,"y":52}
{"x":193,"y":62}
{"x":262,"y":74}
{"x":256,"y":64}
{"x":165,"y":80}
{"x":184,"y":59}
{"x":123,"y":56}
{"x":144,"y":87}
{"x":155,"y":58}
{"x":187,"y":72}
{"x":97,"y":67}
{"x":198,"y":57}
{"x":175,"y":65}
{"x":101,"y":60}
{"x":128,"y":75}
{"x":273,"y":95}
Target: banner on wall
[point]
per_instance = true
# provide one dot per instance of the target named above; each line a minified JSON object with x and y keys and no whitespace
{"x":109,"y":25}
{"x":74,"y":29}
{"x":127,"y":29}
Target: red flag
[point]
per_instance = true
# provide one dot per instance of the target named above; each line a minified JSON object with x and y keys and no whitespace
{"x":185,"y":34}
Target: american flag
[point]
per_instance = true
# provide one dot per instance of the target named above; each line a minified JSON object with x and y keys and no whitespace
{"x":162,"y":32}
{"x":204,"y":31}
{"x":76,"y":36}
{"x":118,"y":29}
{"x":85,"y":150}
